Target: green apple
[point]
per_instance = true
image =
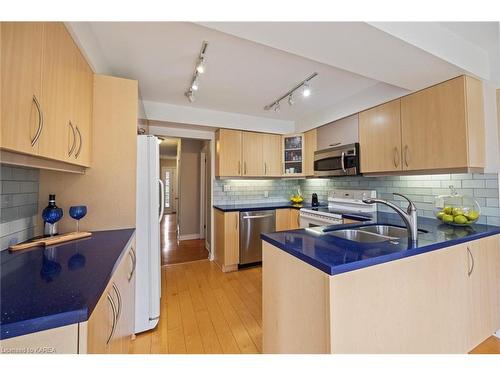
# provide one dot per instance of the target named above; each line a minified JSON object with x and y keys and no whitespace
{"x":440,"y":215}
{"x":457,"y":211}
{"x":460,"y":219}
{"x":448,"y":210}
{"x":447,"y":218}
{"x":472,"y":215}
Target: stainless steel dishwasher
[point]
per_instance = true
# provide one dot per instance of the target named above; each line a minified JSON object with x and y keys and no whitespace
{"x":252,"y":224}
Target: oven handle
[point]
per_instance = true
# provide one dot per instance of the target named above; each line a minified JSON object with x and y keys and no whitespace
{"x":342,"y":162}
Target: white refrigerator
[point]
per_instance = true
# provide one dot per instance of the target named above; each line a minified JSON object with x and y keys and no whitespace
{"x":150,"y":206}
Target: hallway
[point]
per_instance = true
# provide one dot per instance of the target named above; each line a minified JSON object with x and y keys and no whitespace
{"x":172,"y":251}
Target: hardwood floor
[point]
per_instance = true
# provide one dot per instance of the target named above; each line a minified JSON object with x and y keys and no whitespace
{"x":174,"y":251}
{"x":204,"y":310}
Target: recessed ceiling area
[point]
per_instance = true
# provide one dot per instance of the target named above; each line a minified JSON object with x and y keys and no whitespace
{"x":168,"y":148}
{"x":241,"y":76}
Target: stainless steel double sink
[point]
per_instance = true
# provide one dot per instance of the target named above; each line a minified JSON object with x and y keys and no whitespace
{"x":372,"y":233}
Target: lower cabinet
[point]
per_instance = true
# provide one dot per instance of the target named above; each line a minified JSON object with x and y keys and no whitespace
{"x":227,"y":240}
{"x":111,"y":325}
{"x":443,"y":301}
{"x":287,"y":219}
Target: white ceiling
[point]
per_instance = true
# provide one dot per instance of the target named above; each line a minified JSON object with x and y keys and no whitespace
{"x":242,"y":76}
{"x":483,"y":34}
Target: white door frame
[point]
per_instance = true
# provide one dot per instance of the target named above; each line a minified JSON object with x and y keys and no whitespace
{"x":176,"y":132}
{"x":203,"y":157}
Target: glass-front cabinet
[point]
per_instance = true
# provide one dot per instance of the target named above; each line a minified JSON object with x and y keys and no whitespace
{"x":293,"y":154}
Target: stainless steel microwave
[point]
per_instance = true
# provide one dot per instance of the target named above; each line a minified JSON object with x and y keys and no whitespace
{"x":337,"y":161}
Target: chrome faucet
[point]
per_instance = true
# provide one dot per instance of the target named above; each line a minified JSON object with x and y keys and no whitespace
{"x":409,"y":217}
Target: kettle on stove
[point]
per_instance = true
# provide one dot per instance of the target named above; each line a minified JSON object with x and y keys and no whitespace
{"x":314,"y":200}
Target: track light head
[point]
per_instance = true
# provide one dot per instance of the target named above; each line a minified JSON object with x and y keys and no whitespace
{"x":277,"y":107}
{"x":194,"y":85}
{"x":291,"y":99}
{"x":306,"y":89}
{"x":190,"y":95}
{"x":200,"y":68}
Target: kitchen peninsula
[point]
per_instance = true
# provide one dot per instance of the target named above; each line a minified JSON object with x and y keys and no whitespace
{"x":325,"y":294}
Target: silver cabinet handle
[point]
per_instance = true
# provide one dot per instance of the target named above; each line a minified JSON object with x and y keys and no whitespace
{"x":342,"y":161}
{"x":80,"y":143}
{"x":265,"y":168}
{"x":239,"y":167}
{"x":472,"y":261}
{"x":119,"y":297}
{"x":257,"y":216}
{"x":72,"y":148}
{"x":334,"y":144}
{"x":245,"y":167}
{"x":406,"y":155}
{"x":40,"y":122}
{"x":396,"y":157}
{"x":134,"y":263}
{"x":113,"y":308}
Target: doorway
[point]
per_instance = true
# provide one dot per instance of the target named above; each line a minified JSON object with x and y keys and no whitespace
{"x":184,"y":235}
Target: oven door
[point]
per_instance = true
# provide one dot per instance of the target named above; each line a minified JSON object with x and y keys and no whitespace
{"x":337,"y":161}
{"x":307,"y":221}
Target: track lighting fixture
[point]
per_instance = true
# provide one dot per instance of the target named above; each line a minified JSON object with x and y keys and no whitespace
{"x":201,"y":65}
{"x":304,"y":87}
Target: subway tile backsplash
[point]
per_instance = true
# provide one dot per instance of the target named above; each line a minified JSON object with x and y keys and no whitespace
{"x":18,"y":204}
{"x":421,"y":189}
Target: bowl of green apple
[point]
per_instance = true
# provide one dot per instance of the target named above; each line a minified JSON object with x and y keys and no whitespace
{"x":455,"y":209}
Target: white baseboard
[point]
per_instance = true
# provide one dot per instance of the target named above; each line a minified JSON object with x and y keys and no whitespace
{"x":193,"y":236}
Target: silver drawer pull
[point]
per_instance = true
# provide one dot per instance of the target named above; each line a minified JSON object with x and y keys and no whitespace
{"x":257,"y":216}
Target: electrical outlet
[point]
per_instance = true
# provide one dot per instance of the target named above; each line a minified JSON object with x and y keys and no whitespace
{"x":266,"y":194}
{"x":227,"y":187}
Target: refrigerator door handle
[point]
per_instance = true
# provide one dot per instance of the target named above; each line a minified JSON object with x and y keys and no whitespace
{"x":162,"y":200}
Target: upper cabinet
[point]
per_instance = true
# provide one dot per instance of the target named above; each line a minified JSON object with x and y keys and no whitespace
{"x":21,"y":54}
{"x":228,"y":153}
{"x":247,"y":154}
{"x":440,"y":128}
{"x":310,"y":146}
{"x":293,"y":154}
{"x":443,"y":126}
{"x":339,"y":132}
{"x":47,"y":90}
{"x":380,"y":138}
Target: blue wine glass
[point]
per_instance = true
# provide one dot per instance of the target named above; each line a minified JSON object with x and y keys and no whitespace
{"x":77,"y":213}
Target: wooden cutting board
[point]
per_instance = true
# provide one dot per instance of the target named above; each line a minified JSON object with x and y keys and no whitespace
{"x":50,"y":241}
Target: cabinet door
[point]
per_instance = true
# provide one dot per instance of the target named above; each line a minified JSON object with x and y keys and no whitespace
{"x":21,"y":61}
{"x":232,"y":238}
{"x":294,"y":219}
{"x":310,"y":141}
{"x":272,"y":154}
{"x":483,"y":289}
{"x":58,"y":61}
{"x":434,"y":133}
{"x":283,"y":219}
{"x":100,"y":325}
{"x":252,"y":154}
{"x":79,"y":135}
{"x":228,"y":153}
{"x":380,"y":138}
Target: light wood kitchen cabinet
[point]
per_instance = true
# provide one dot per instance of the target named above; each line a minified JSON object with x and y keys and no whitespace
{"x":57,"y":66}
{"x":443,"y":127}
{"x":338,"y":133}
{"x":252,"y":154}
{"x":228,"y":153}
{"x":442,"y":301}
{"x":293,"y":155}
{"x":48,"y":93}
{"x":310,"y":146}
{"x":271,"y":151}
{"x":227,"y":240}
{"x":21,"y":63}
{"x":483,"y":291}
{"x":380,"y":138}
{"x":294,"y":218}
{"x":111,"y":325}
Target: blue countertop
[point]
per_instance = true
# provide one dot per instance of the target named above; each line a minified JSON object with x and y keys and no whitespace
{"x":259,"y":206}
{"x":335,"y":255}
{"x":56,"y":286}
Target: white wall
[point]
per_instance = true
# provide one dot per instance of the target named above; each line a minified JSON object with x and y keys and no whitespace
{"x":491,"y":129}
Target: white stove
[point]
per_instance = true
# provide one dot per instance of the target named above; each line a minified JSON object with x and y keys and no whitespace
{"x":339,"y":202}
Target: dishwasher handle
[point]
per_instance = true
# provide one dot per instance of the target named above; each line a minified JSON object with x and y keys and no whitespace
{"x":257,"y":216}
